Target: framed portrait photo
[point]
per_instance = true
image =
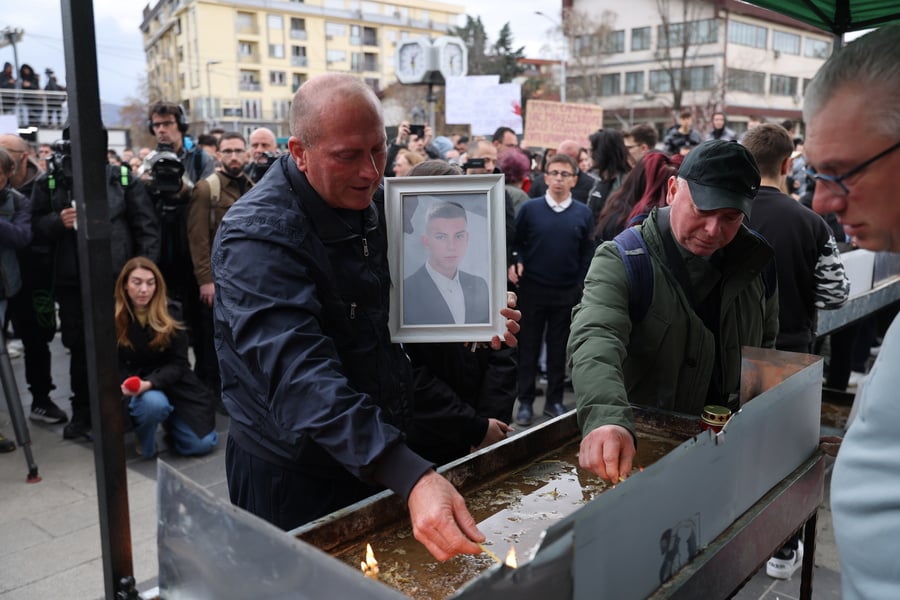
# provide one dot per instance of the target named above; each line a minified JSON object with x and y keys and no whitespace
{"x":447,"y":255}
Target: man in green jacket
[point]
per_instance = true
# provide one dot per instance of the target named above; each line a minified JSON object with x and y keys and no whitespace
{"x":713,"y":291}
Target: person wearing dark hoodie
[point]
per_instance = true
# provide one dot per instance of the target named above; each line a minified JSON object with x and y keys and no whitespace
{"x":31,"y":85}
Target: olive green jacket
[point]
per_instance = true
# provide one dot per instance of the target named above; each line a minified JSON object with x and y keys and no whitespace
{"x":666,"y":360}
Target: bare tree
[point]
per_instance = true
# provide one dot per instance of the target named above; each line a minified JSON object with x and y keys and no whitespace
{"x":589,"y":40}
{"x":681,"y":34}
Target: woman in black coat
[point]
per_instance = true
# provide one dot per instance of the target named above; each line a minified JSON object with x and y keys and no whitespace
{"x":157,"y":377}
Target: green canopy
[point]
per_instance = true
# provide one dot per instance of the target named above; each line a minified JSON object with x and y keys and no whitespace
{"x":837,"y":16}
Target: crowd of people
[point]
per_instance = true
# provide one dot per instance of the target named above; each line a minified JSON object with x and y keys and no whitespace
{"x":34,"y":107}
{"x":639,"y":264}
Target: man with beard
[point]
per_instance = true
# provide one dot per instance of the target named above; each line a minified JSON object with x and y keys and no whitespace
{"x":211,"y":198}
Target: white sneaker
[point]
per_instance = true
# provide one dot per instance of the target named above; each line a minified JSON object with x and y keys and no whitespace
{"x":856,"y":378}
{"x":783,"y":568}
{"x":14,"y":349}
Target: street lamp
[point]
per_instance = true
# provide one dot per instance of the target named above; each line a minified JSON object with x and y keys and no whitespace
{"x":565,"y":54}
{"x":209,"y":90}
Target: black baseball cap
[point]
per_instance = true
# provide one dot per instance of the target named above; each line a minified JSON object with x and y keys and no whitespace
{"x":721,"y":174}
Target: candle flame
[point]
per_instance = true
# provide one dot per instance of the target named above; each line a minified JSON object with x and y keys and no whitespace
{"x":370,"y":566}
{"x":511,"y":561}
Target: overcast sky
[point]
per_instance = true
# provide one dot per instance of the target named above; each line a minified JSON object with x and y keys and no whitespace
{"x":121,"y":57}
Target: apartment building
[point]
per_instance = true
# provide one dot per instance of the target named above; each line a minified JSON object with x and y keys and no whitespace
{"x":237,"y":63}
{"x":741,"y":59}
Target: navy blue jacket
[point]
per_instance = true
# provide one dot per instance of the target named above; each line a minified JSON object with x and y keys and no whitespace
{"x":309,"y":375}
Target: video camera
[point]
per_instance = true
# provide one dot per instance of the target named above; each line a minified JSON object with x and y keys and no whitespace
{"x":59,"y":165}
{"x":166,"y":169}
{"x":258,"y":169}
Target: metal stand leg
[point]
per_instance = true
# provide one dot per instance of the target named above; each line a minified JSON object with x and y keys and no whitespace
{"x":14,"y":402}
{"x":809,"y":557}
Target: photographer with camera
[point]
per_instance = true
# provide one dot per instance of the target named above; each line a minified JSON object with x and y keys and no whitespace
{"x":134,"y":231}
{"x":171,"y":173}
{"x":263,"y":153}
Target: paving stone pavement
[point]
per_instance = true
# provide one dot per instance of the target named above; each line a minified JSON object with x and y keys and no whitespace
{"x":49,"y":531}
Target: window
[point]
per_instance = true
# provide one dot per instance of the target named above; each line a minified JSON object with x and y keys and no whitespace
{"x":333,"y":30}
{"x":816,"y":48}
{"x":333,"y":56}
{"x":249,"y":81}
{"x":700,"y":78}
{"x":634,"y":82}
{"x":277,"y":78}
{"x":370,"y":36}
{"x":752,"y":82}
{"x":660,"y":81}
{"x":298,"y":28}
{"x":640,"y":38}
{"x":745,"y":34}
{"x":251,"y":108}
{"x":788,"y":43}
{"x":275,"y":22}
{"x":583,"y":45}
{"x":177,"y":26}
{"x":609,"y":84}
{"x":245,"y":22}
{"x":180,"y":53}
{"x":782,"y":85}
{"x":297,"y":79}
{"x":246,"y":49}
{"x":276,"y":50}
{"x":281,"y":109}
{"x":615,"y":42}
{"x":298,"y":56}
{"x":373,"y":83}
{"x":806,"y":82}
{"x":705,"y":31}
{"x":355,"y":35}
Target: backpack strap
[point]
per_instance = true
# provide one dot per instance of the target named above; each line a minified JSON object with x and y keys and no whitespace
{"x":638,"y":272}
{"x":215,"y":189}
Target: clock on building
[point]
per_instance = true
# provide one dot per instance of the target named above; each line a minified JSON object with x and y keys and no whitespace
{"x":452,"y":56}
{"x":414,"y":60}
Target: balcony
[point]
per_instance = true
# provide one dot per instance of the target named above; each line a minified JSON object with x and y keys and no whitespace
{"x":299,"y":61}
{"x":35,"y":108}
{"x":298,"y":34}
{"x":250,"y":86}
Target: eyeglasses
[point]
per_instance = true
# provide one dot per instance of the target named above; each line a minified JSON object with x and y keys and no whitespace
{"x":563,"y":174}
{"x":231,"y":151}
{"x":158,"y":124}
{"x":835,"y":183}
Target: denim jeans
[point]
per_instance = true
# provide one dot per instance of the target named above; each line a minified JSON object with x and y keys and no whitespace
{"x":152,"y":408}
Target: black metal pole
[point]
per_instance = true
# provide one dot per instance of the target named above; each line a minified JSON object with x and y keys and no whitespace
{"x":94,"y":260}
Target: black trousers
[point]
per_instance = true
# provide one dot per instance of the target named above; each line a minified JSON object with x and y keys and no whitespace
{"x":285,"y":497}
{"x":71,"y":320}
{"x":33,"y":314}
{"x":551,"y":309}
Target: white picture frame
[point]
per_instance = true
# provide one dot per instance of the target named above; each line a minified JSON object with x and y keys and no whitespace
{"x":418,"y":311}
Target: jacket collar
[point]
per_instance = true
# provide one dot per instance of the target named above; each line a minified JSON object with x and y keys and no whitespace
{"x":330,"y":223}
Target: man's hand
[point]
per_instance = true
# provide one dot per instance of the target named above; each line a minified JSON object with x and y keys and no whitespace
{"x":403,"y":133}
{"x":207,"y":293}
{"x":496,"y":432}
{"x":512,"y":317}
{"x":514,"y":272}
{"x":607,"y":452}
{"x":440,"y":519}
{"x":68,"y":217}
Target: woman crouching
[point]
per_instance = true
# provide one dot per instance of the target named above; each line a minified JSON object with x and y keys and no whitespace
{"x":153,"y":361}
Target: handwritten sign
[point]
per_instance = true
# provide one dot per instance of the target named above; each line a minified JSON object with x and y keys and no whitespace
{"x":549,"y":123}
{"x":484,"y":103}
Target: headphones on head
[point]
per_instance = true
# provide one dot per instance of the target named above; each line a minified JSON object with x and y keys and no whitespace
{"x":180,"y":116}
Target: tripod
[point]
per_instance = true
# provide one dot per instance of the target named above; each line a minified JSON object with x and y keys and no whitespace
{"x":14,"y":402}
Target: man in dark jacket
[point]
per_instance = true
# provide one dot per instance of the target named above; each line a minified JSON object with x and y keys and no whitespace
{"x":318,"y":395}
{"x":710,"y":296}
{"x":134,"y":231}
